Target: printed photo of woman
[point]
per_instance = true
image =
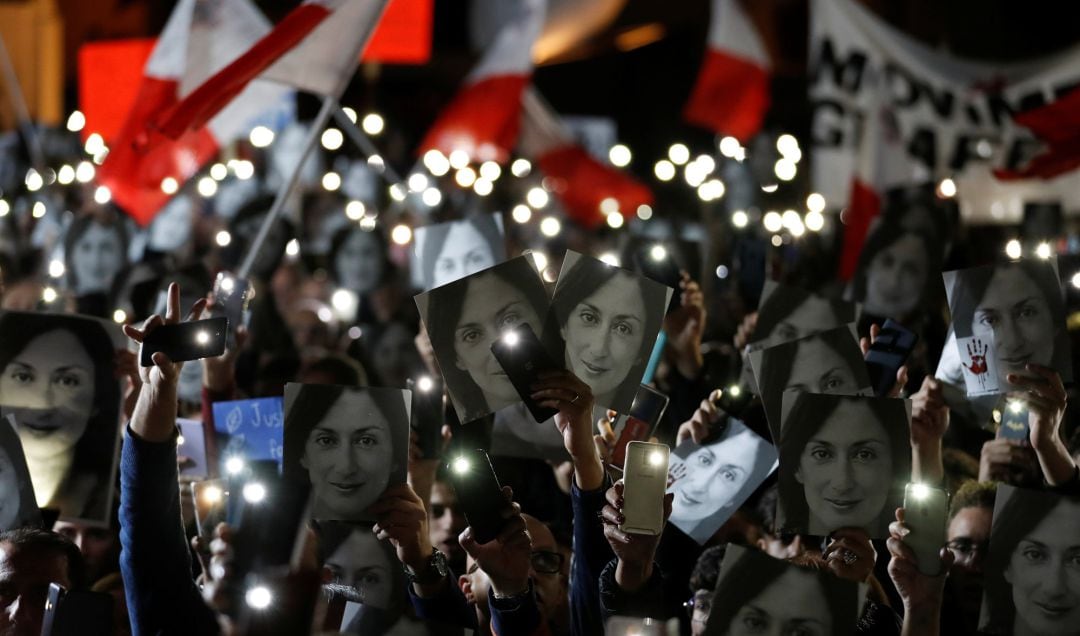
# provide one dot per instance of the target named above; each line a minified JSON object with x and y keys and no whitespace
{"x":446,"y":252}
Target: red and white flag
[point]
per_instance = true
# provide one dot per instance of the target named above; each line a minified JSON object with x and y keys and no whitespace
{"x":315,"y":48}
{"x":200,"y":37}
{"x":484,"y":117}
{"x":580,"y":181}
{"x":1057,"y":125}
{"x":731,"y":95}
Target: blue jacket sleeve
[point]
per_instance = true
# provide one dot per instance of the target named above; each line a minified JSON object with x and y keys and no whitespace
{"x":155,"y":562}
{"x":648,"y":602}
{"x":449,"y":607}
{"x":591,"y":554}
{"x":516,"y":617}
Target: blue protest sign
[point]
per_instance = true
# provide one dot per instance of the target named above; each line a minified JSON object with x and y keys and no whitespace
{"x":251,"y":428}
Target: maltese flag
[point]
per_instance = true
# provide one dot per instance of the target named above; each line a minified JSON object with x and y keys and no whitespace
{"x":731,"y":95}
{"x":143,"y":168}
{"x":315,"y":48}
{"x":589,"y":190}
{"x":484,"y":118}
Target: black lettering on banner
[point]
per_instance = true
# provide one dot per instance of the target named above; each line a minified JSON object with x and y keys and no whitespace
{"x":846,"y":74}
{"x":964,"y":150}
{"x":829,"y":119}
{"x":923,"y":146}
{"x":1021,"y":151}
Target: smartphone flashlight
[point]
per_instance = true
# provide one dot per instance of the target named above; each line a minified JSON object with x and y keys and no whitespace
{"x":254,"y":492}
{"x":511,"y":338}
{"x":1016,"y":406}
{"x":259,"y":597}
{"x":734,"y":390}
{"x":425,"y":383}
{"x":227,"y":283}
{"x":658,"y":252}
{"x":656,"y":458}
{"x":461,"y":465}
{"x":920,"y":491}
{"x":234,"y":465}
{"x":212,"y":494}
{"x":202,"y":338}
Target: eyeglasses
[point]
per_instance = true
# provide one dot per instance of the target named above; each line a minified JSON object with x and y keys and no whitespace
{"x":966,"y":548}
{"x":700,"y":602}
{"x":543,"y":561}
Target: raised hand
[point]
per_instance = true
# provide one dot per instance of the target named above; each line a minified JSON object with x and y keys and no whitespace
{"x":685,"y":327}
{"x":634,"y":551}
{"x":850,"y":555}
{"x":573,"y":398}
{"x":507,"y":559}
{"x":922,"y":595}
{"x":1046,"y":400}
{"x":700,"y":425}
{"x":901,"y":373}
{"x":929,"y":421}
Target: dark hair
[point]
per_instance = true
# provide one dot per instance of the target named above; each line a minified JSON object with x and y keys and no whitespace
{"x":973,"y":494}
{"x":343,"y":369}
{"x":333,"y":534}
{"x":885,"y":235}
{"x":435,"y":240}
{"x":587,"y":276}
{"x":746,"y":577}
{"x":707,"y":569}
{"x":806,"y":417}
{"x":52,"y":543}
{"x":74,"y":232}
{"x":785,"y":301}
{"x":95,"y":450}
{"x":314,"y":401}
{"x":343,"y":234}
{"x":444,"y":308}
{"x":1017,"y":514}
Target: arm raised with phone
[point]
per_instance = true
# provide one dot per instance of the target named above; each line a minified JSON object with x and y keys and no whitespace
{"x":631,"y":583}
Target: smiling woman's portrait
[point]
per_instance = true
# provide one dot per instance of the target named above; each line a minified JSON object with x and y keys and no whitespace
{"x":94,"y":253}
{"x":1033,"y":569}
{"x":895,"y":271}
{"x":59,"y":385}
{"x":358,"y":259}
{"x":446,"y":252}
{"x":713,"y":479}
{"x":349,"y":443}
{"x":18,"y":507}
{"x":465,"y":317}
{"x":1021,"y":304}
{"x":844,"y":462}
{"x":608,"y":319}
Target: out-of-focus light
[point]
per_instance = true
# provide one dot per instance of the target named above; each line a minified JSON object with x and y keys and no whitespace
{"x":102,"y":195}
{"x":722,"y":272}
{"x":218,"y":171}
{"x":373,"y":123}
{"x":678,"y":154}
{"x":920,"y":491}
{"x":417,"y":182}
{"x":776,"y":240}
{"x":458,"y":159}
{"x":254,"y":492}
{"x":656,"y":458}
{"x":521,"y":213}
{"x":644,"y":211}
{"x":460,"y":465}
{"x":790,"y":218}
{"x":234,"y":465}
{"x":431,"y":197}
{"x":212,"y":494}
{"x":729,"y":147}
{"x":511,"y":338}
{"x":521,"y":168}
{"x":609,"y":205}
{"x":1043,"y":251}
{"x":1076,"y":280}
{"x":814,"y":221}
{"x":65,"y":175}
{"x":610,"y":258}
{"x":797,"y":229}
{"x":397,"y":192}
{"x":664,"y":170}
{"x":292,"y":248}
{"x":367,"y":223}
{"x":490,"y":170}
{"x":345,"y":301}
{"x":550,"y":226}
{"x":261,"y":137}
{"x":223,"y":238}
{"x":401,"y":234}
{"x":5,"y":207}
{"x":355,"y":332}
{"x":244,"y":169}
{"x":658,"y":252}
{"x":119,"y":316}
{"x":169,"y":185}
{"x":95,"y":144}
{"x":465,"y":177}
{"x":947,"y":188}
{"x":785,"y":169}
{"x":483,"y":187}
{"x":49,"y":295}
{"x":331,"y":181}
{"x":620,"y":155}
{"x":56,"y":268}
{"x":769,"y":188}
{"x":76,"y":121}
{"x":34,"y":182}
{"x":84,"y":172}
{"x":707,"y":163}
{"x":350,"y":113}
{"x":325,"y":314}
{"x":332,"y":139}
{"x":537,"y":197}
{"x":615,"y":220}
{"x":772,"y":221}
{"x":739,"y":218}
{"x":787,"y":145}
{"x":1013,"y":249}
{"x":207,"y":187}
{"x":694,"y":174}
{"x":38,"y":210}
{"x":376,"y":163}
{"x":354,"y":210}
{"x":540,"y":259}
{"x":436,"y":162}
{"x":711,"y":190}
{"x":815,"y":202}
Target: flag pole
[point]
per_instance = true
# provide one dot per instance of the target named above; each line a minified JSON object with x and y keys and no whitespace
{"x":22,"y":112}
{"x":367,"y":146}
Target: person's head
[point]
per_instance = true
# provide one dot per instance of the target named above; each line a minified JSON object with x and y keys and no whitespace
{"x":58,"y":382}
{"x":313,"y":326}
{"x":1020,"y":303}
{"x":445,"y":522}
{"x":334,"y":368}
{"x":99,"y":546}
{"x":790,"y":313}
{"x":968,"y":536}
{"x":702,"y":585}
{"x":718,"y":475}
{"x":245,"y":226}
{"x":455,"y":250}
{"x":394,"y":355}
{"x":840,"y":457}
{"x":894,"y":271}
{"x":1032,"y":574}
{"x":94,"y":253}
{"x":347,"y":443}
{"x":358,"y":259}
{"x":779,"y":545}
{"x":605,"y":316}
{"x":31,"y":559}
{"x":465,"y":317}
{"x":759,"y":594}
{"x":546,"y":567}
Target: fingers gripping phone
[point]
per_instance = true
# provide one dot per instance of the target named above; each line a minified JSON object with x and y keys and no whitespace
{"x":185,"y":341}
{"x":887,"y":354}
{"x":644,"y":482}
{"x":926,"y":512}
{"x":478,"y":492}
{"x":645,"y":413}
{"x":77,"y":613}
{"x":521,"y":354}
{"x":1014,"y":420}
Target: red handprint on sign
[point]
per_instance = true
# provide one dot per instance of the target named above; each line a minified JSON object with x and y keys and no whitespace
{"x":677,"y":472}
{"x":977,"y":353}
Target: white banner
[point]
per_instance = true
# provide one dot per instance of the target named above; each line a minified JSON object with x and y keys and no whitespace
{"x":955,"y":116}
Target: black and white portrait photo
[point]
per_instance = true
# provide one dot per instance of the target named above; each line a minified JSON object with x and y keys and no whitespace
{"x":465,"y":317}
{"x":350,"y":443}
{"x":1020,"y":304}
{"x":788,"y":313}
{"x":94,"y":253}
{"x":608,"y":319}
{"x":827,"y":362}
{"x":844,"y":462}
{"x":758,"y":594}
{"x":1032,"y":583}
{"x":362,"y":570}
{"x":516,"y":434}
{"x":18,"y":507}
{"x":59,"y":384}
{"x":711,"y":480}
{"x":358,"y":259}
{"x":445,"y":252}
{"x":896,"y":271}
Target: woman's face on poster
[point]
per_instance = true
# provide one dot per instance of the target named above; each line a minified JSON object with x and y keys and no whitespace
{"x":491,"y":307}
{"x":812,"y":316}
{"x":464,"y":251}
{"x":604,"y":334}
{"x":96,"y":257}
{"x":1044,"y":571}
{"x":349,"y":457}
{"x":394,"y":355}
{"x":49,"y":388}
{"x":818,"y":368}
{"x":714,"y":476}
{"x":10,"y":499}
{"x":1014,"y":309}
{"x":792,"y":604}
{"x":896,"y":277}
{"x":362,"y":564}
{"x":359,"y":262}
{"x":846,"y":470}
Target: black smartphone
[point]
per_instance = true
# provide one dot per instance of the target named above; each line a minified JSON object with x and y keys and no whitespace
{"x":469,"y":436}
{"x":427,"y":414}
{"x":656,"y":261}
{"x":211,"y":499}
{"x":887,"y":354}
{"x":77,"y":613}
{"x":186,"y":341}
{"x":523,"y":357}
{"x":478,"y":493}
{"x":645,"y":413}
{"x":231,"y":295}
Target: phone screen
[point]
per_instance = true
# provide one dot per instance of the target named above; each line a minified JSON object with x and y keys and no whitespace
{"x":186,"y":341}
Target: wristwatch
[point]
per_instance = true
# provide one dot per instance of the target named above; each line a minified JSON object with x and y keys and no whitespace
{"x":435,"y":570}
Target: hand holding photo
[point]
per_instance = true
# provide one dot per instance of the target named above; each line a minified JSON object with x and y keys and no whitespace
{"x":349,"y":443}
{"x":445,"y":252}
{"x":844,"y":462}
{"x":18,"y":508}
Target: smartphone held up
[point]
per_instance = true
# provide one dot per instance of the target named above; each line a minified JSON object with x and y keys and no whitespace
{"x":479,"y":493}
{"x":185,"y":341}
{"x":645,"y":474}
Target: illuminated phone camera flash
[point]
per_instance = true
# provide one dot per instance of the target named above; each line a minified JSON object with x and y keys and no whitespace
{"x":511,"y":338}
{"x":1016,"y":406}
{"x":254,"y":492}
{"x":425,"y":383}
{"x":656,"y":458}
{"x":658,"y":253}
{"x":920,"y":491}
{"x":461,"y":465}
{"x":227,"y":284}
{"x":259,"y":597}
{"x":202,"y":338}
{"x":234,"y":465}
{"x":212,"y":494}
{"x":734,"y":391}
{"x":179,"y":440}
